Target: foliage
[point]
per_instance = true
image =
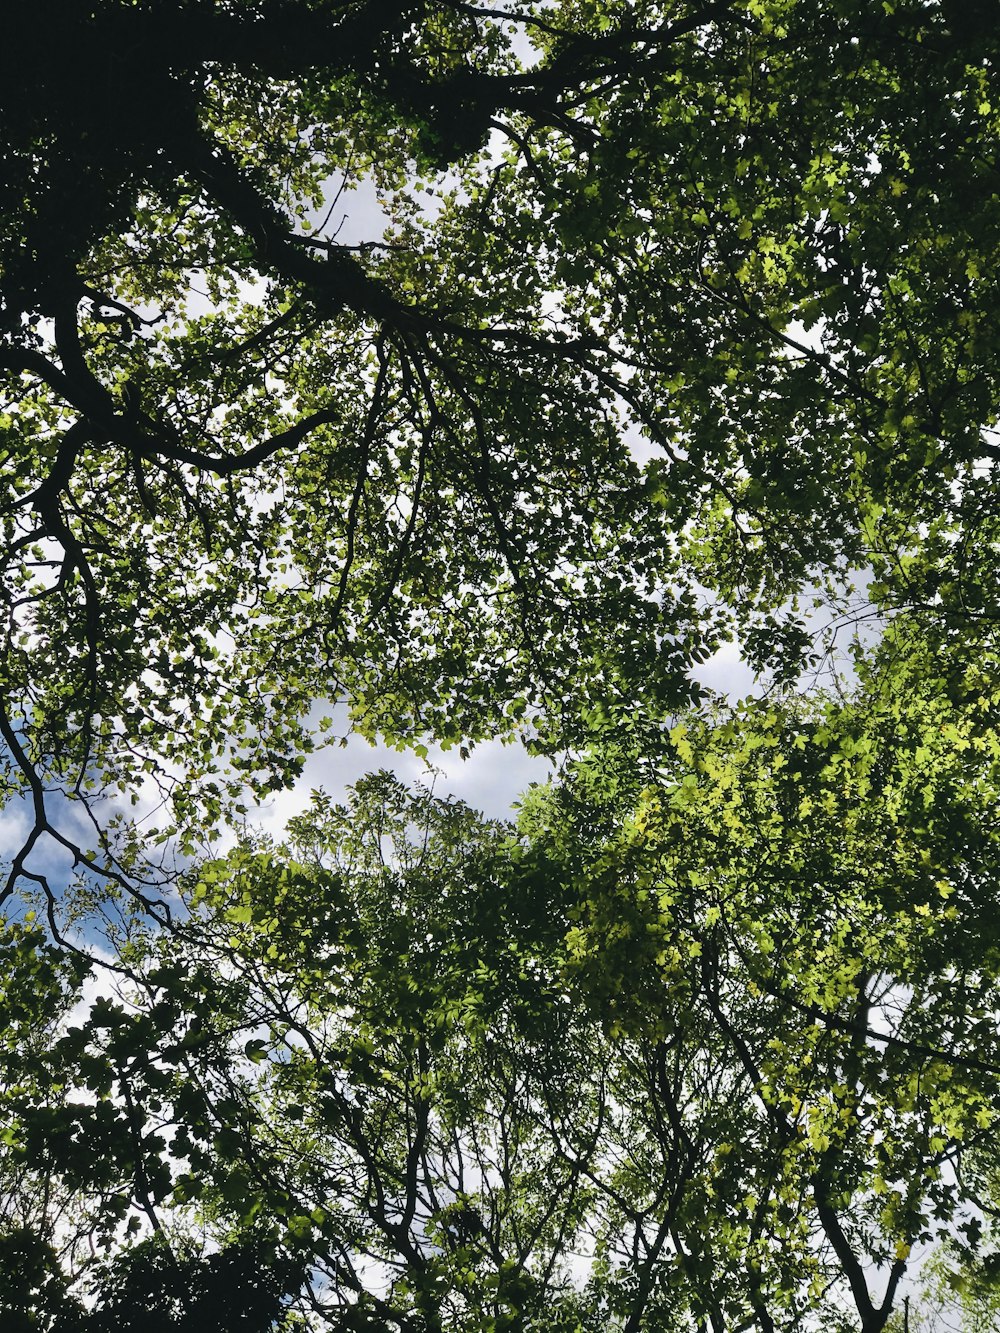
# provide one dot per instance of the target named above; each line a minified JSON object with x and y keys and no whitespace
{"x":681,"y":326}
{"x":249,"y":466}
{"x":713,"y":1050}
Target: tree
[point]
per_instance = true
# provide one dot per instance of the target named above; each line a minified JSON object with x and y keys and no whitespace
{"x":399,"y":474}
{"x":682,"y":321}
{"x":707,"y":1043}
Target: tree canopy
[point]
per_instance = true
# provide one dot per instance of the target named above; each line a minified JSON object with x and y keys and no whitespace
{"x":678,"y":327}
{"x":756,"y":239}
{"x":663,"y":1055}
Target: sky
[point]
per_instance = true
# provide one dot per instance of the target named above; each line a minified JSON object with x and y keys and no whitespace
{"x":494,"y":774}
{"x":490,"y":779}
